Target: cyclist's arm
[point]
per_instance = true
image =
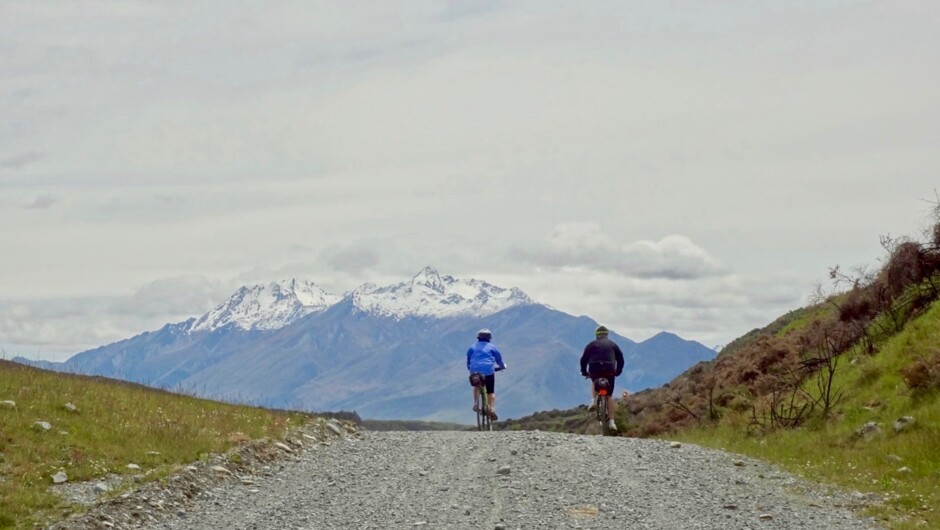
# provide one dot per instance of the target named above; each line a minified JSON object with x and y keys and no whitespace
{"x":584,"y":361}
{"x":619,"y":355}
{"x":469,"y":353}
{"x":499,"y":358}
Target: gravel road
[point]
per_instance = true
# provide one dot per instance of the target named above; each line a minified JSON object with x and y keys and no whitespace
{"x":518,"y":480}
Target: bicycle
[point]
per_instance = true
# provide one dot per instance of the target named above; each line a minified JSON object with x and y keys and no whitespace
{"x":481,"y":404}
{"x":601,"y":390}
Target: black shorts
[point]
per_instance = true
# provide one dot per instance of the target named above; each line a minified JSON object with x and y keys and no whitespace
{"x":490,"y":382}
{"x":610,"y":377}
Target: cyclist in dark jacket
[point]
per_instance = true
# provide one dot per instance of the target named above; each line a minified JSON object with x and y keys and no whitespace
{"x":602,"y":358}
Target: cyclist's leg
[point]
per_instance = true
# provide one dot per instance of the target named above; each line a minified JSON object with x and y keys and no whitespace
{"x":491,"y":392}
{"x":591,"y":404}
{"x":610,"y":399}
{"x":476,"y":396}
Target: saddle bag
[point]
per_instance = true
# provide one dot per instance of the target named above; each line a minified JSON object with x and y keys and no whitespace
{"x":477,"y":379}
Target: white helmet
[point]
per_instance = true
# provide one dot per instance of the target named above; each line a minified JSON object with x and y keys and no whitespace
{"x":484,"y":334}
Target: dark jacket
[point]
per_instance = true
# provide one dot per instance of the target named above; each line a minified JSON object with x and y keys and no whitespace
{"x":602,"y":356}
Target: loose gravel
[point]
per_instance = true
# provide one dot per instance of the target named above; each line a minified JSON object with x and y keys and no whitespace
{"x":516,"y":480}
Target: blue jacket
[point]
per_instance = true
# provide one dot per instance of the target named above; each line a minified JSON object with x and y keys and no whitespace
{"x":483,"y":357}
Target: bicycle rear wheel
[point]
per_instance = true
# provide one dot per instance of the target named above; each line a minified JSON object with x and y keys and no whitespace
{"x":602,"y":414}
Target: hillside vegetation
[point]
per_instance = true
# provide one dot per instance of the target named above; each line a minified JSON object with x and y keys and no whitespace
{"x":845,"y":390}
{"x":857,"y":446}
{"x":89,"y":427}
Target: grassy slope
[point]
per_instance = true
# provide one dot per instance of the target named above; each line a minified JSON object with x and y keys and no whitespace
{"x":115,"y":424}
{"x":829,"y":452}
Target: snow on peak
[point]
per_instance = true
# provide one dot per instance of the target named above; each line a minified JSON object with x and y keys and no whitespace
{"x":267,"y":307}
{"x":427,"y":294}
{"x":430,"y":294}
{"x":430,"y":278}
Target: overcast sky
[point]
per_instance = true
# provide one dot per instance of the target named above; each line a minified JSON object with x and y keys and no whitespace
{"x":692,"y":166}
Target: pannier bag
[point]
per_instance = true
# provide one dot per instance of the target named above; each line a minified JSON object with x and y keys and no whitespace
{"x":477,"y":379}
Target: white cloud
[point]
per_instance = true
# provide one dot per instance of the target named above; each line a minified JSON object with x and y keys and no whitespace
{"x":685,"y":166}
{"x":20,"y":161}
{"x":585,"y":245}
{"x":43,"y":201}
{"x":70,"y":325}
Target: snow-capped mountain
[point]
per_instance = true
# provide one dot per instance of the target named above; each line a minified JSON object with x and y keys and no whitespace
{"x":429,"y":294}
{"x":395,"y":352}
{"x":267,"y":307}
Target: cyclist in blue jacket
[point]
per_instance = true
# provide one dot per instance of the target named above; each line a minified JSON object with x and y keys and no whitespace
{"x":484,"y":358}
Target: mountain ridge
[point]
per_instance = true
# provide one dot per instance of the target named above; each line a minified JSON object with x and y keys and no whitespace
{"x":386,"y":359}
{"x":266,"y":306}
{"x":274,"y":305}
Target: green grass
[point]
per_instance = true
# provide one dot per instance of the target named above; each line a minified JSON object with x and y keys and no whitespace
{"x":827,"y":451}
{"x":115,"y":424}
{"x":799,"y":319}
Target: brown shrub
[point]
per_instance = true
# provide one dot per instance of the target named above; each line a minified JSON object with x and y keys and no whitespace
{"x":698,"y":370}
{"x":858,"y":305}
{"x":676,"y":415}
{"x":924,"y":373}
{"x":769,"y":359}
{"x":652,"y":429}
{"x":634,"y":406}
{"x":904,"y":268}
{"x":766,"y":383}
{"x":749,"y":375}
{"x":932,"y":262}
